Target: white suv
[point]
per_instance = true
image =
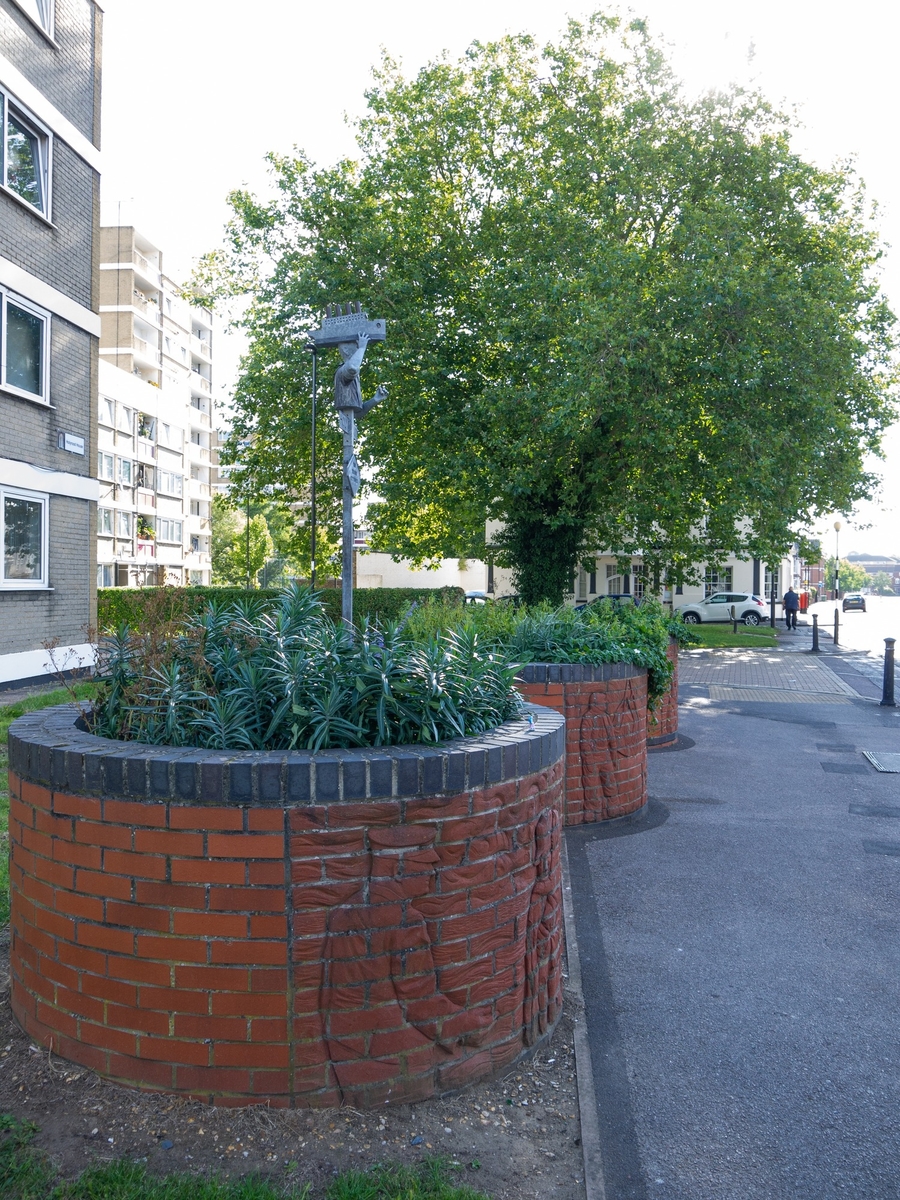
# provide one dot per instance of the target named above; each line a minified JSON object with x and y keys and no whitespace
{"x":749,"y":609}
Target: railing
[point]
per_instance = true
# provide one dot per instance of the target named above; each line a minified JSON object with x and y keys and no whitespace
{"x":199,"y":381}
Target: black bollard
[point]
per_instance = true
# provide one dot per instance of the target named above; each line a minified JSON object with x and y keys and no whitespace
{"x":836,"y":622}
{"x":815,"y":645}
{"x":734,"y":617}
{"x":887,"y":689}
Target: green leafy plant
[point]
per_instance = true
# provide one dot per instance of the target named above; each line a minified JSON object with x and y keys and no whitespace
{"x":135,"y":607}
{"x":263,"y":675}
{"x":604,"y":632}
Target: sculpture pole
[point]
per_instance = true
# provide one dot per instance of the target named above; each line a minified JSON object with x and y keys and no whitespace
{"x":351,"y":331}
{"x":349,"y":432}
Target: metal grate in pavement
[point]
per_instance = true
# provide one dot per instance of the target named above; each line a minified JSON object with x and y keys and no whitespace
{"x":762,"y":695}
{"x":888,"y":763}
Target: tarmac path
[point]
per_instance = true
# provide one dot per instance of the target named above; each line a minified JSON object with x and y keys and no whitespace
{"x":739,"y":946}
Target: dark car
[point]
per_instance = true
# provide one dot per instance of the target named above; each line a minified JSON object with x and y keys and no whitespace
{"x":854,"y":602}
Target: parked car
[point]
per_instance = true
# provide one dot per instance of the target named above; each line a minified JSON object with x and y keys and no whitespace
{"x":748,"y":608}
{"x":853,"y":602}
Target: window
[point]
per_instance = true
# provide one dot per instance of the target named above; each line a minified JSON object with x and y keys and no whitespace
{"x":23,"y":517}
{"x":168,"y":531}
{"x":40,"y":11}
{"x":104,"y":520}
{"x":125,"y":471}
{"x":106,"y":575}
{"x":105,"y":466}
{"x":170,"y":435}
{"x":146,"y":426}
{"x":169,"y":483}
{"x":772,"y":582}
{"x":639,"y":583}
{"x":23,"y":341}
{"x":25,"y":155}
{"x":106,"y":412}
{"x":123,"y":524}
{"x":124,"y":424}
{"x":145,"y":477}
{"x":195,"y":544}
{"x":717,"y":579}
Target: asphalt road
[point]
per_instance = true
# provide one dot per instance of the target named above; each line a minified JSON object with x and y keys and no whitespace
{"x":863,"y":631}
{"x":740,"y":959}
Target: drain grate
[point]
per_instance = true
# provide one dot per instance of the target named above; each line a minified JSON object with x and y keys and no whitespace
{"x":888,"y":763}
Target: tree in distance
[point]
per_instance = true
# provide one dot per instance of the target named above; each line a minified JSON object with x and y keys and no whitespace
{"x":617,"y":317}
{"x":853,"y":578}
{"x":230,"y":562}
{"x":882,"y":584}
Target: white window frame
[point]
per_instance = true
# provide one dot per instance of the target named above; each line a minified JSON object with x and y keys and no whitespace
{"x":123,"y":518}
{"x":7,"y":297}
{"x":131,"y":472}
{"x":166,"y":480}
{"x":44,"y":137}
{"x":9,"y":585}
{"x":717,"y":579}
{"x":104,"y":522}
{"x":111,"y":477}
{"x":46,"y":15}
{"x":108,"y":421}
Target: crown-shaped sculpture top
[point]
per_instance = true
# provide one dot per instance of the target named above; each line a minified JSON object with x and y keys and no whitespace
{"x":343,"y":323}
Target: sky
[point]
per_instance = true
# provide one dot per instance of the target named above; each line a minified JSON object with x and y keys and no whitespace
{"x":196,"y":92}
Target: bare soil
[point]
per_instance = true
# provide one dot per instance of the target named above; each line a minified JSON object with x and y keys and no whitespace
{"x":515,"y":1138}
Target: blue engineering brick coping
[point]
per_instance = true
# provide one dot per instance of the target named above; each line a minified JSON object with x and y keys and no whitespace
{"x":48,"y":747}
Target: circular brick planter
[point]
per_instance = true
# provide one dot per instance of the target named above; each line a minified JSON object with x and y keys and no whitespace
{"x":662,"y":723}
{"x":350,"y":927}
{"x":606,"y":734}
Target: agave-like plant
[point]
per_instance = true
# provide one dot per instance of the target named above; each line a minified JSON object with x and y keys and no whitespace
{"x":253,"y":675}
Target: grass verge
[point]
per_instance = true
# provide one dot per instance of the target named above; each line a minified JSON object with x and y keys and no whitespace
{"x":723,"y":635}
{"x":27,"y":1174}
{"x":8,"y":714}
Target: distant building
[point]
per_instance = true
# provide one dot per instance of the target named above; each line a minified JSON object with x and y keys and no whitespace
{"x":156,"y":446}
{"x":49,"y":329}
{"x":874,"y":564}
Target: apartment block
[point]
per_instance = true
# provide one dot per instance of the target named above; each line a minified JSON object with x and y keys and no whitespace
{"x":49,"y":331}
{"x":156,"y":457}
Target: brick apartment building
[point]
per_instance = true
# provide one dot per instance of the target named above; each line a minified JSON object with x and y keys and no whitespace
{"x":49,"y":329}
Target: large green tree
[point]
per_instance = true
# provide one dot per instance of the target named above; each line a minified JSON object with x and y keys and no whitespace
{"x":617,"y":317}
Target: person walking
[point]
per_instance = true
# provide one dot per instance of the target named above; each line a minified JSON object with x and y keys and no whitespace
{"x":791,"y":604}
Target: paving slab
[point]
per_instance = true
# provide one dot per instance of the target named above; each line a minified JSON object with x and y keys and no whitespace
{"x":740,"y":955}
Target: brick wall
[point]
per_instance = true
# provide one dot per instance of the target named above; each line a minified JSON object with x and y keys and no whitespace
{"x":606,"y":734}
{"x":357,"y":951}
{"x":662,"y":723}
{"x":29,"y":618}
{"x":65,"y":73}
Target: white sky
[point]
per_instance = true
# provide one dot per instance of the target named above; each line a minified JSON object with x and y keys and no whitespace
{"x":195,"y":92}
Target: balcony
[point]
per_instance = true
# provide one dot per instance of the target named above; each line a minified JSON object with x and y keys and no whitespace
{"x":146,"y":500}
{"x":146,"y":269}
{"x":202,"y":384}
{"x":144,"y":352}
{"x":198,"y":490}
{"x":198,"y":454}
{"x":146,"y":451}
{"x":202,"y":347}
{"x":145,"y":549}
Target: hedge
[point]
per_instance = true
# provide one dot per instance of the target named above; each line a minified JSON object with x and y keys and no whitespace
{"x":128,"y":605}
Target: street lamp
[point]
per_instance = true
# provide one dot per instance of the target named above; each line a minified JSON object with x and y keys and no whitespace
{"x":837,"y":561}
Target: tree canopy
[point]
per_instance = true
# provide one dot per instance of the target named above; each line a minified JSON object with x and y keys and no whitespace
{"x":617,"y":317}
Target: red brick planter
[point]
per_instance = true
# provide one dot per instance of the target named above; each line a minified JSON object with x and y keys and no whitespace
{"x":352,"y":927}
{"x":662,"y":723}
{"x":606,"y":734}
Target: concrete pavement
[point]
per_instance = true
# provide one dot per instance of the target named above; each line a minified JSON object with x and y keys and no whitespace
{"x":739,"y":946}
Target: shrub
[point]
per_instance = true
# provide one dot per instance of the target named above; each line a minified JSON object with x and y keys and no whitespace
{"x":604,"y":632}
{"x":117,"y":606}
{"x":266,"y":674}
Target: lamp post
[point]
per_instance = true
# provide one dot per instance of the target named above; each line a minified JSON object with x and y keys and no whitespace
{"x":837,"y":561}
